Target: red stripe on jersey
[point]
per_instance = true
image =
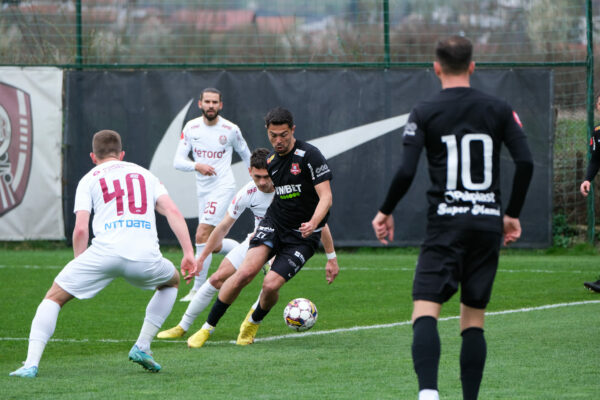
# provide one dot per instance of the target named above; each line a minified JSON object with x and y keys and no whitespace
{"x":517,"y":119}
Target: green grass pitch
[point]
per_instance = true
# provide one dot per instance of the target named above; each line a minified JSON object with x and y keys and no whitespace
{"x":358,"y":349}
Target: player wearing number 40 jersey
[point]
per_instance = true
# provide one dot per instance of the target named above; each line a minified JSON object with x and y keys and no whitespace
{"x":124,"y":197}
{"x":463,"y":130}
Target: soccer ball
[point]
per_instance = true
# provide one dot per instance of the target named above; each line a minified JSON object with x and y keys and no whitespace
{"x":300,"y":314}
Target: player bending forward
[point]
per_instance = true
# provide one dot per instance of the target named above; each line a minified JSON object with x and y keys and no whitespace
{"x":123,"y":197}
{"x":257,"y":196}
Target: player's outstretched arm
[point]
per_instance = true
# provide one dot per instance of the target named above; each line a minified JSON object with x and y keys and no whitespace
{"x":166,"y":207}
{"x":383,"y":225}
{"x":323,"y":190}
{"x":215,"y":239}
{"x":81,"y":232}
{"x":332,"y":268}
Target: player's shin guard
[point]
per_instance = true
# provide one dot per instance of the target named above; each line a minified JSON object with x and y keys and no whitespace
{"x":158,"y":309}
{"x":216,"y":312}
{"x":426,"y":350}
{"x":42,"y":329}
{"x":472,"y":361}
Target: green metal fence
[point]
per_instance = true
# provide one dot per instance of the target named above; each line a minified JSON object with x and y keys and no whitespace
{"x":186,"y":34}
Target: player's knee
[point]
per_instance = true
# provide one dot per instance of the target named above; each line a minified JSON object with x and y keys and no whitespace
{"x":216,"y":281}
{"x":271,"y":286}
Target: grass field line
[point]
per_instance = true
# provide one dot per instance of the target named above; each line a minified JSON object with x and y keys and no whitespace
{"x":342,"y":268}
{"x":327,"y":332}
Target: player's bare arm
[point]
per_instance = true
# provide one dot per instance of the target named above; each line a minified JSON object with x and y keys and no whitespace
{"x":81,"y":232}
{"x":332,"y":268}
{"x":166,"y":207}
{"x":323,"y":190}
{"x":383,"y":225}
{"x":215,"y":239}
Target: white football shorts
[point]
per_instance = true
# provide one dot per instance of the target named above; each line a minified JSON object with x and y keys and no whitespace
{"x":93,"y":270}
{"x":236,"y":256}
{"x":212,"y":205}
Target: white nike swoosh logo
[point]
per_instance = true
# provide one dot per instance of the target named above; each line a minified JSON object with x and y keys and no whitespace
{"x":182,"y":185}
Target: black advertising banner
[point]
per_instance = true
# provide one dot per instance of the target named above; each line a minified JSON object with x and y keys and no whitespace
{"x":355,"y":117}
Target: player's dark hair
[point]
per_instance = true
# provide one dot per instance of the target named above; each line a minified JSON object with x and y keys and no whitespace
{"x":211,"y":90}
{"x":258,"y":159}
{"x":454,"y":54}
{"x":279,"y":116}
{"x":106,"y":143}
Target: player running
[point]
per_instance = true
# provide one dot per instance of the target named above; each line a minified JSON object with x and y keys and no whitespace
{"x":212,"y":140}
{"x":124,"y":197}
{"x":257,"y":195}
{"x":462,"y":130}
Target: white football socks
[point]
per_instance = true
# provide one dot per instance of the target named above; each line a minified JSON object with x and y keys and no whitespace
{"x":158,"y":309}
{"x":201,"y":300}
{"x":201,"y":278}
{"x":429,"y":394}
{"x":42,"y":328}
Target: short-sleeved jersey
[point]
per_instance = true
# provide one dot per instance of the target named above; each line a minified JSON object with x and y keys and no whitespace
{"x":594,"y":163}
{"x":212,"y":145}
{"x":122,"y":196}
{"x":462,"y":130}
{"x":250,"y":197}
{"x":295,"y":176}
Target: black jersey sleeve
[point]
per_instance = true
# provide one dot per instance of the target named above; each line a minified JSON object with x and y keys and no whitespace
{"x":516,"y":142}
{"x":317,"y":165}
{"x":413,"y":141}
{"x":594,"y":164}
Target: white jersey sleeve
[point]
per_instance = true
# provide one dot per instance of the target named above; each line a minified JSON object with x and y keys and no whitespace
{"x":122,"y":196}
{"x":250,"y":197}
{"x":181,"y":161}
{"x":241,"y":147}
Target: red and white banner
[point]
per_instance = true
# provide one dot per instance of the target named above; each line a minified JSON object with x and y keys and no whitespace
{"x":30,"y":153}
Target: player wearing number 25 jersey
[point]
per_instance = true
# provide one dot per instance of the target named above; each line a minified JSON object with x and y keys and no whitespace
{"x":123,"y":197}
{"x":462,"y":130}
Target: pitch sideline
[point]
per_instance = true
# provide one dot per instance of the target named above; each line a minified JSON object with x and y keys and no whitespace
{"x":327,"y":332}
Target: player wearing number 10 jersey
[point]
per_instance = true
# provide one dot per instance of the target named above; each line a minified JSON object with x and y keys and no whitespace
{"x":123,"y":197}
{"x":462,"y":130}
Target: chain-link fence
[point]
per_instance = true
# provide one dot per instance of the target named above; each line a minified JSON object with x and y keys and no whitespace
{"x":140,"y":34}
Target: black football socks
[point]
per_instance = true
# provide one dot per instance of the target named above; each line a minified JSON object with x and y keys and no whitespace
{"x":426,"y":350}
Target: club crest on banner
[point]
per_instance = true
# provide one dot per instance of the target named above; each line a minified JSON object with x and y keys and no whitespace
{"x":16,"y":143}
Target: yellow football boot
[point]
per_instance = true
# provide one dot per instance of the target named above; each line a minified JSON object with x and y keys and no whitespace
{"x":172,"y":333}
{"x":247,"y":332}
{"x":198,"y":339}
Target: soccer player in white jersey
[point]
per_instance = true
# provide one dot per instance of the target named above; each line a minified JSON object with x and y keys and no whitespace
{"x":256,"y":196}
{"x":212,"y":140}
{"x":123,"y":197}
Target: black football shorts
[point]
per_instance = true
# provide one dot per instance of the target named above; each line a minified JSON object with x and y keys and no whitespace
{"x":450,"y":258}
{"x":290,"y":249}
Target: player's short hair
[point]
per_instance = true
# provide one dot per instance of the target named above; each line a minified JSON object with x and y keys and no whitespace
{"x":454,"y":54}
{"x":258,"y":159}
{"x":211,"y":90}
{"x":279,"y":116}
{"x":106,"y":143}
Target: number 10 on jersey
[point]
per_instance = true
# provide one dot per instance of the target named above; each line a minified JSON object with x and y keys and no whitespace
{"x":465,"y":161}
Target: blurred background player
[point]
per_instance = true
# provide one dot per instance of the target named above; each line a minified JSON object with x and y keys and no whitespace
{"x":256,"y":196}
{"x":291,"y":229}
{"x":125,"y":245}
{"x":592,"y":170}
{"x":462,"y":130}
{"x":212,"y":140}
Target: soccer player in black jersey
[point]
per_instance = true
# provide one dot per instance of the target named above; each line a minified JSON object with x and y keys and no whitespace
{"x":291,"y":229}
{"x":462,"y":130}
{"x":592,"y":170}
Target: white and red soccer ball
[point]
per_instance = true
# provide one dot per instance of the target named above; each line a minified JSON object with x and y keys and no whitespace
{"x":300,"y":314}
